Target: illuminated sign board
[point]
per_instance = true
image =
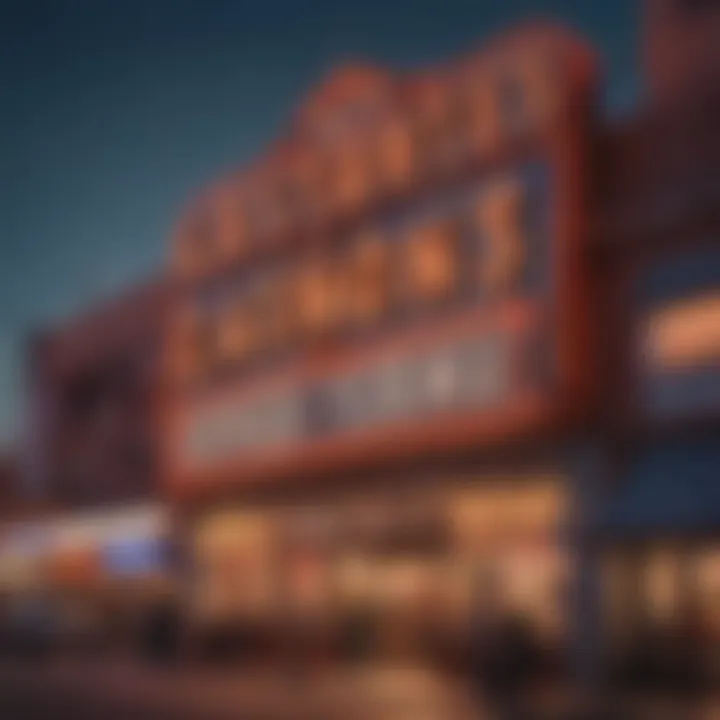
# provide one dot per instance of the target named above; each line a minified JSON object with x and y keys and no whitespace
{"x":135,"y":556}
{"x":479,"y":242}
{"x":466,"y":374}
{"x":433,"y":278}
{"x":685,"y":334}
{"x":476,"y":368}
{"x":367,"y":136}
{"x":679,"y":334}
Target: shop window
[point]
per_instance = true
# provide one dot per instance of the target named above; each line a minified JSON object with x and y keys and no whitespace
{"x":617,"y":599}
{"x":233,"y":552}
{"x":499,"y":218}
{"x":661,"y":587}
{"x":533,"y":579}
{"x":431,"y":262}
{"x":458,"y":591}
{"x":508,"y":569}
{"x":354,"y":579}
{"x":708,"y":588}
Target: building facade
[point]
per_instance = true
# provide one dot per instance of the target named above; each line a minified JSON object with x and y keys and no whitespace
{"x":659,"y":242}
{"x":92,"y":542}
{"x":380,"y":370}
{"x":94,"y":387}
{"x":679,"y":52}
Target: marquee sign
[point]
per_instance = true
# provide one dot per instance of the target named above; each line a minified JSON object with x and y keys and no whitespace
{"x":678,"y":337}
{"x":407,"y":256}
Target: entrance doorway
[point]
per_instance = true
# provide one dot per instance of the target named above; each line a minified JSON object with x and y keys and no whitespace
{"x":663,"y":614}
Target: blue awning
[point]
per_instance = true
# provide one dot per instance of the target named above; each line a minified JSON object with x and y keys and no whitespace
{"x":135,"y":556}
{"x":673,"y":490}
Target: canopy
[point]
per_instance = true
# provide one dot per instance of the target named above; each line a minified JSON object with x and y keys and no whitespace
{"x":671,"y":490}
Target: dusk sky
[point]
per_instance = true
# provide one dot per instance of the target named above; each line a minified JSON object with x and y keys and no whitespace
{"x":114,"y":111}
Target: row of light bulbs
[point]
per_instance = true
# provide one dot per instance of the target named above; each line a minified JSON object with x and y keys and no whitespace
{"x":450,"y":127}
{"x":360,"y":289}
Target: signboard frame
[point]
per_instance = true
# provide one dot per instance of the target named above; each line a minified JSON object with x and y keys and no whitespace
{"x":565,"y":150}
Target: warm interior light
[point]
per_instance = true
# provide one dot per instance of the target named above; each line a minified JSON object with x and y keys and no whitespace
{"x":685,"y":333}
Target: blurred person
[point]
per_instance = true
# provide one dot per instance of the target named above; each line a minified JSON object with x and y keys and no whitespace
{"x":162,"y":630}
{"x":693,"y":634}
{"x":359,"y":633}
{"x":484,"y":614}
{"x":505,"y":653}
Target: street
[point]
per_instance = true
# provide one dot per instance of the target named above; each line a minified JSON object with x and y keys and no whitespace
{"x":124,"y":690}
{"x":121,"y":690}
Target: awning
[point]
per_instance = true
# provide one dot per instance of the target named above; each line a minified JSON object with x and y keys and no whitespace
{"x":135,"y":556}
{"x":669,"y":491}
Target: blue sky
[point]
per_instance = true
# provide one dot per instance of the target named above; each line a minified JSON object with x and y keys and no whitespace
{"x":112,"y":112}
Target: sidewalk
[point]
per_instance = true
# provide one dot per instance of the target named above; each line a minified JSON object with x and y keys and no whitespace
{"x":374,"y":693}
{"x":368,"y":693}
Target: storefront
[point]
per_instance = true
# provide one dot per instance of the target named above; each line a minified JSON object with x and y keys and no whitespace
{"x":394,"y":573}
{"x":94,"y":574}
{"x":661,"y":527}
{"x":23,"y":548}
{"x":365,"y":432}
